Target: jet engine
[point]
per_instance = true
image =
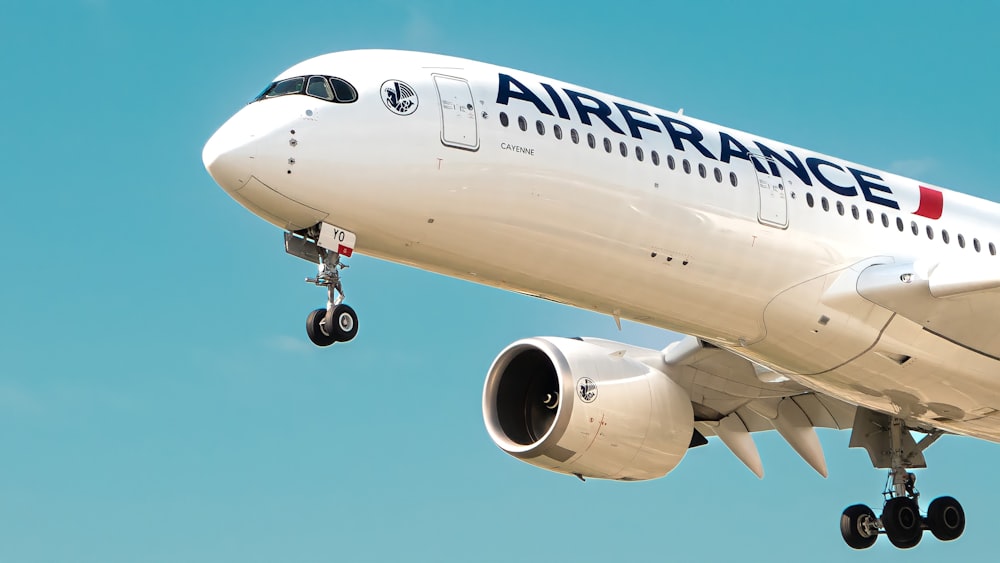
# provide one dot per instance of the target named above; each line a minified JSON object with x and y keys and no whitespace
{"x":585,"y":409}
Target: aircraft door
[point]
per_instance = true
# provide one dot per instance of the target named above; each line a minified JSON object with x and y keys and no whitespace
{"x":773,"y":210}
{"x":458,"y":113}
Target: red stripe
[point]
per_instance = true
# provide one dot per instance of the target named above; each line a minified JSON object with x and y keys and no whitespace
{"x":344,"y":251}
{"x":931,"y":203}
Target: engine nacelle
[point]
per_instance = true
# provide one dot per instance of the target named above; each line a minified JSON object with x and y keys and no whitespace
{"x":578,"y":408}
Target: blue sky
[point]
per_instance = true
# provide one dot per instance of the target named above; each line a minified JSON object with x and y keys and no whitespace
{"x":158,"y":398}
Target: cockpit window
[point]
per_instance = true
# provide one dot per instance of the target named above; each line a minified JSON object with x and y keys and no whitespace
{"x":326,"y":88}
{"x":345,"y":92}
{"x":319,"y":88}
{"x":286,"y":87}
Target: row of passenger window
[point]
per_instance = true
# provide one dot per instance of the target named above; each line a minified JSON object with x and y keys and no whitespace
{"x":928,"y":231}
{"x":623,"y":148}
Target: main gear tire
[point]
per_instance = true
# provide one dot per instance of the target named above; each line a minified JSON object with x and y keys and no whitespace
{"x":902,"y":522}
{"x":858,"y":526}
{"x":946,"y":518}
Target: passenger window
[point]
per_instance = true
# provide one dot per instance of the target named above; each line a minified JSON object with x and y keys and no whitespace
{"x":504,"y":120}
{"x":557,"y":131}
{"x":930,"y":232}
{"x":522,"y":123}
{"x":993,"y":249}
{"x":318,"y":87}
{"x":914,"y":228}
{"x":573,"y":134}
{"x":885,"y":220}
{"x":871,"y":216}
{"x":607,"y":145}
{"x":855,"y":212}
{"x":810,"y":201}
{"x":826,"y":204}
{"x":591,"y":140}
{"x":961,"y":240}
{"x":899,"y":225}
{"x":976,"y":245}
{"x":540,"y":127}
{"x":687,"y":166}
{"x":840,"y":209}
{"x":656,"y":158}
{"x":670,"y":162}
{"x":343,"y":90}
{"x":701,"y":171}
{"x":945,"y":237}
{"x":623,"y":149}
{"x":733,"y":179}
{"x":638,"y":154}
{"x":718,"y":175}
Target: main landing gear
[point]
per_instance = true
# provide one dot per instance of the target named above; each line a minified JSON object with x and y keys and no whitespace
{"x":337,"y":322}
{"x":900,"y":521}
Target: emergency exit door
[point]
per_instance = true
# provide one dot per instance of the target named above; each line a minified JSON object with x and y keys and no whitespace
{"x":458,"y":113}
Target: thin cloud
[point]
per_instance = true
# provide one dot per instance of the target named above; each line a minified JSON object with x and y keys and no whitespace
{"x":285,"y":343}
{"x":14,"y":398}
{"x":419,"y":30}
{"x":913,"y":167}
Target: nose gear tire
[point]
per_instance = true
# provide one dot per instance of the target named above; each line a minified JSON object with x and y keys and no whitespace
{"x":345,"y":323}
{"x":315,"y":328}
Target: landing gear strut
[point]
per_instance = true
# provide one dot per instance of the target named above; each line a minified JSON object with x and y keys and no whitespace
{"x":336,"y":322}
{"x":890,"y":445}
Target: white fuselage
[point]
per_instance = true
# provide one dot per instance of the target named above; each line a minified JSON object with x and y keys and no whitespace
{"x":666,"y":240}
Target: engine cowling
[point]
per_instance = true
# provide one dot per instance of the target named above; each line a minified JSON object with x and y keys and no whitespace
{"x":574,"y":407}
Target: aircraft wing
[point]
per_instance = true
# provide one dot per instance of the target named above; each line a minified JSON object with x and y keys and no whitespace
{"x":955,"y":299}
{"x":734,"y":397}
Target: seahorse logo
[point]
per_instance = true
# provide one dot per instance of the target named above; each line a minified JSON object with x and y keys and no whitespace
{"x":399,"y":97}
{"x":587,"y":389}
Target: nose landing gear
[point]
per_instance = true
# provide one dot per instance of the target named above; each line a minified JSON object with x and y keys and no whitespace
{"x":337,"y":322}
{"x":322,"y":332}
{"x":890,"y":445}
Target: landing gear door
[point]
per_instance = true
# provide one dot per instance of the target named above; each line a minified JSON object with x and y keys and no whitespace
{"x":458,"y":113}
{"x":773,"y":210}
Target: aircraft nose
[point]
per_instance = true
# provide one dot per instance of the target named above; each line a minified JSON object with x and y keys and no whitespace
{"x":229,"y":155}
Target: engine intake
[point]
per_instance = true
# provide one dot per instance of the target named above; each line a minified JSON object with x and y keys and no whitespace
{"x":580,"y":408}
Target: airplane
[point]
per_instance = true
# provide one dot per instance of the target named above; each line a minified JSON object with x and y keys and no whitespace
{"x":814,"y":292}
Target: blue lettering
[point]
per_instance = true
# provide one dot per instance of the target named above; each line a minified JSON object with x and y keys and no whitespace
{"x":560,"y":106}
{"x":635,"y":124}
{"x":814,"y":163}
{"x":740,"y":151}
{"x":505,"y":93}
{"x":599,"y":109}
{"x":692,"y":135}
{"x":795,"y":165}
{"x":867,"y":187}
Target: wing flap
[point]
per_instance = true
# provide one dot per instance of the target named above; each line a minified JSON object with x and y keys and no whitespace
{"x":737,"y":397}
{"x":958,"y":300}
